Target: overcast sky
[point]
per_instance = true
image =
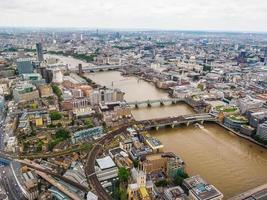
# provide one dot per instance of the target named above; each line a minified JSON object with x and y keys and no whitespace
{"x":231,"y":15}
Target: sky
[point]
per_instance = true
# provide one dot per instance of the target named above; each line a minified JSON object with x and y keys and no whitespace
{"x":215,"y":15}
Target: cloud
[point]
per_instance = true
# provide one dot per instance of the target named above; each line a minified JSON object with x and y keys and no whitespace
{"x":249,"y":15}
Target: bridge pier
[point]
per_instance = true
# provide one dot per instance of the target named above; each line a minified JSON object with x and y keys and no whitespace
{"x":157,"y":128}
{"x":173,"y":125}
{"x":188,"y":123}
{"x":202,"y":122}
{"x":174,"y":102}
{"x":148,"y":104}
{"x":161,"y":103}
{"x":136,"y":105}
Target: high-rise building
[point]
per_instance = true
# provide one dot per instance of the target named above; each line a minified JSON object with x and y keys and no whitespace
{"x":24,"y":66}
{"x":265,"y":56}
{"x":80,"y":69}
{"x":39,"y":51}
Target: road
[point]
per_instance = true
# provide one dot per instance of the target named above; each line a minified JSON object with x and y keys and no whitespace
{"x":9,"y":183}
{"x":90,"y":164}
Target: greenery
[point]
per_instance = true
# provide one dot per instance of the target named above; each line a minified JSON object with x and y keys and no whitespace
{"x":89,"y":123}
{"x":60,"y":135}
{"x":225,"y":109}
{"x":136,"y":163}
{"x":57,"y":91}
{"x":206,"y":68}
{"x":55,"y":115}
{"x":179,"y":178}
{"x":123,"y":174}
{"x":162,"y":183}
{"x":87,"y":58}
{"x":123,"y":47}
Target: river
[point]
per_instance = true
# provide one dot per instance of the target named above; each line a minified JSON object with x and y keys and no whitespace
{"x":225,"y":160}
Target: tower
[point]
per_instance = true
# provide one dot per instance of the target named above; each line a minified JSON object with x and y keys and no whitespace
{"x":265,"y":56}
{"x":39,"y":51}
{"x":80,"y":69}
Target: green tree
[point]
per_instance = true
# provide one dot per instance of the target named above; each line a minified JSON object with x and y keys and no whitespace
{"x":55,"y":115}
{"x":89,"y":123}
{"x":178,"y":180}
{"x":57,"y":91}
{"x":162,"y":183}
{"x":123,"y":174}
{"x":62,"y":134}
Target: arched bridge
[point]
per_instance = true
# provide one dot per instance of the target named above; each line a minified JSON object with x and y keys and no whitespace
{"x":101,"y":68}
{"x":176,"y":121}
{"x":149,"y":102}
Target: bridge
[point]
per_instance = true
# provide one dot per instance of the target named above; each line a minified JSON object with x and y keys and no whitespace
{"x":149,"y":102}
{"x":4,"y":159}
{"x":176,"y":121}
{"x":99,"y":68}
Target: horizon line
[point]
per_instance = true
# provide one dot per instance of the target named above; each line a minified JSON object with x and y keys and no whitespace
{"x":137,"y":29}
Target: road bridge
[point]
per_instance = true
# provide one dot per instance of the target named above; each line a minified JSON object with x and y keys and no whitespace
{"x":176,"y":121}
{"x":149,"y":102}
{"x":99,"y":68}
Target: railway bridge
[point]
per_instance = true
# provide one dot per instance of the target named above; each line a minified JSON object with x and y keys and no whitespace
{"x":176,"y":121}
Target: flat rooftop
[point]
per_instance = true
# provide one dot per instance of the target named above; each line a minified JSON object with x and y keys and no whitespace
{"x":201,"y":189}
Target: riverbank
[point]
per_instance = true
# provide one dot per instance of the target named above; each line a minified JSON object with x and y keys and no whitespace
{"x":242,"y":135}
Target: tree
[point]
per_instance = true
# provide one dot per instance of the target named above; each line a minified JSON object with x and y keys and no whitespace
{"x":57,"y":91}
{"x":55,"y":115}
{"x":162,"y":183}
{"x":123,"y":174}
{"x":62,"y":134}
{"x":178,"y":180}
{"x":89,"y":123}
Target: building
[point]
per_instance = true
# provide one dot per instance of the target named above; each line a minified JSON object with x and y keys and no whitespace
{"x":2,"y":104}
{"x":24,"y":92}
{"x":247,"y":103}
{"x":201,"y":190}
{"x":176,"y":193}
{"x":45,"y":90}
{"x":262,"y":131}
{"x":24,"y":66}
{"x":140,"y":188}
{"x":87,"y":134}
{"x":106,"y":96}
{"x":33,"y":78}
{"x":235,"y":121}
{"x":80,"y":69}
{"x":39,"y":51}
{"x":30,"y":182}
{"x":106,"y":171}
{"x":154,"y":144}
{"x":168,"y":163}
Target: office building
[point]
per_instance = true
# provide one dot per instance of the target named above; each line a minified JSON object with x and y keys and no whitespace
{"x":106,"y":170}
{"x":262,"y":131}
{"x":39,"y":51}
{"x":24,"y":92}
{"x":201,"y":190}
{"x":24,"y":66}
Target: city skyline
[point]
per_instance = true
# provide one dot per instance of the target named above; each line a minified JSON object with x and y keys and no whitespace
{"x":219,"y":15}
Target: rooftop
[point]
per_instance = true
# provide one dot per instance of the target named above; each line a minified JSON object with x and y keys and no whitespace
{"x":105,"y":163}
{"x":201,"y":189}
